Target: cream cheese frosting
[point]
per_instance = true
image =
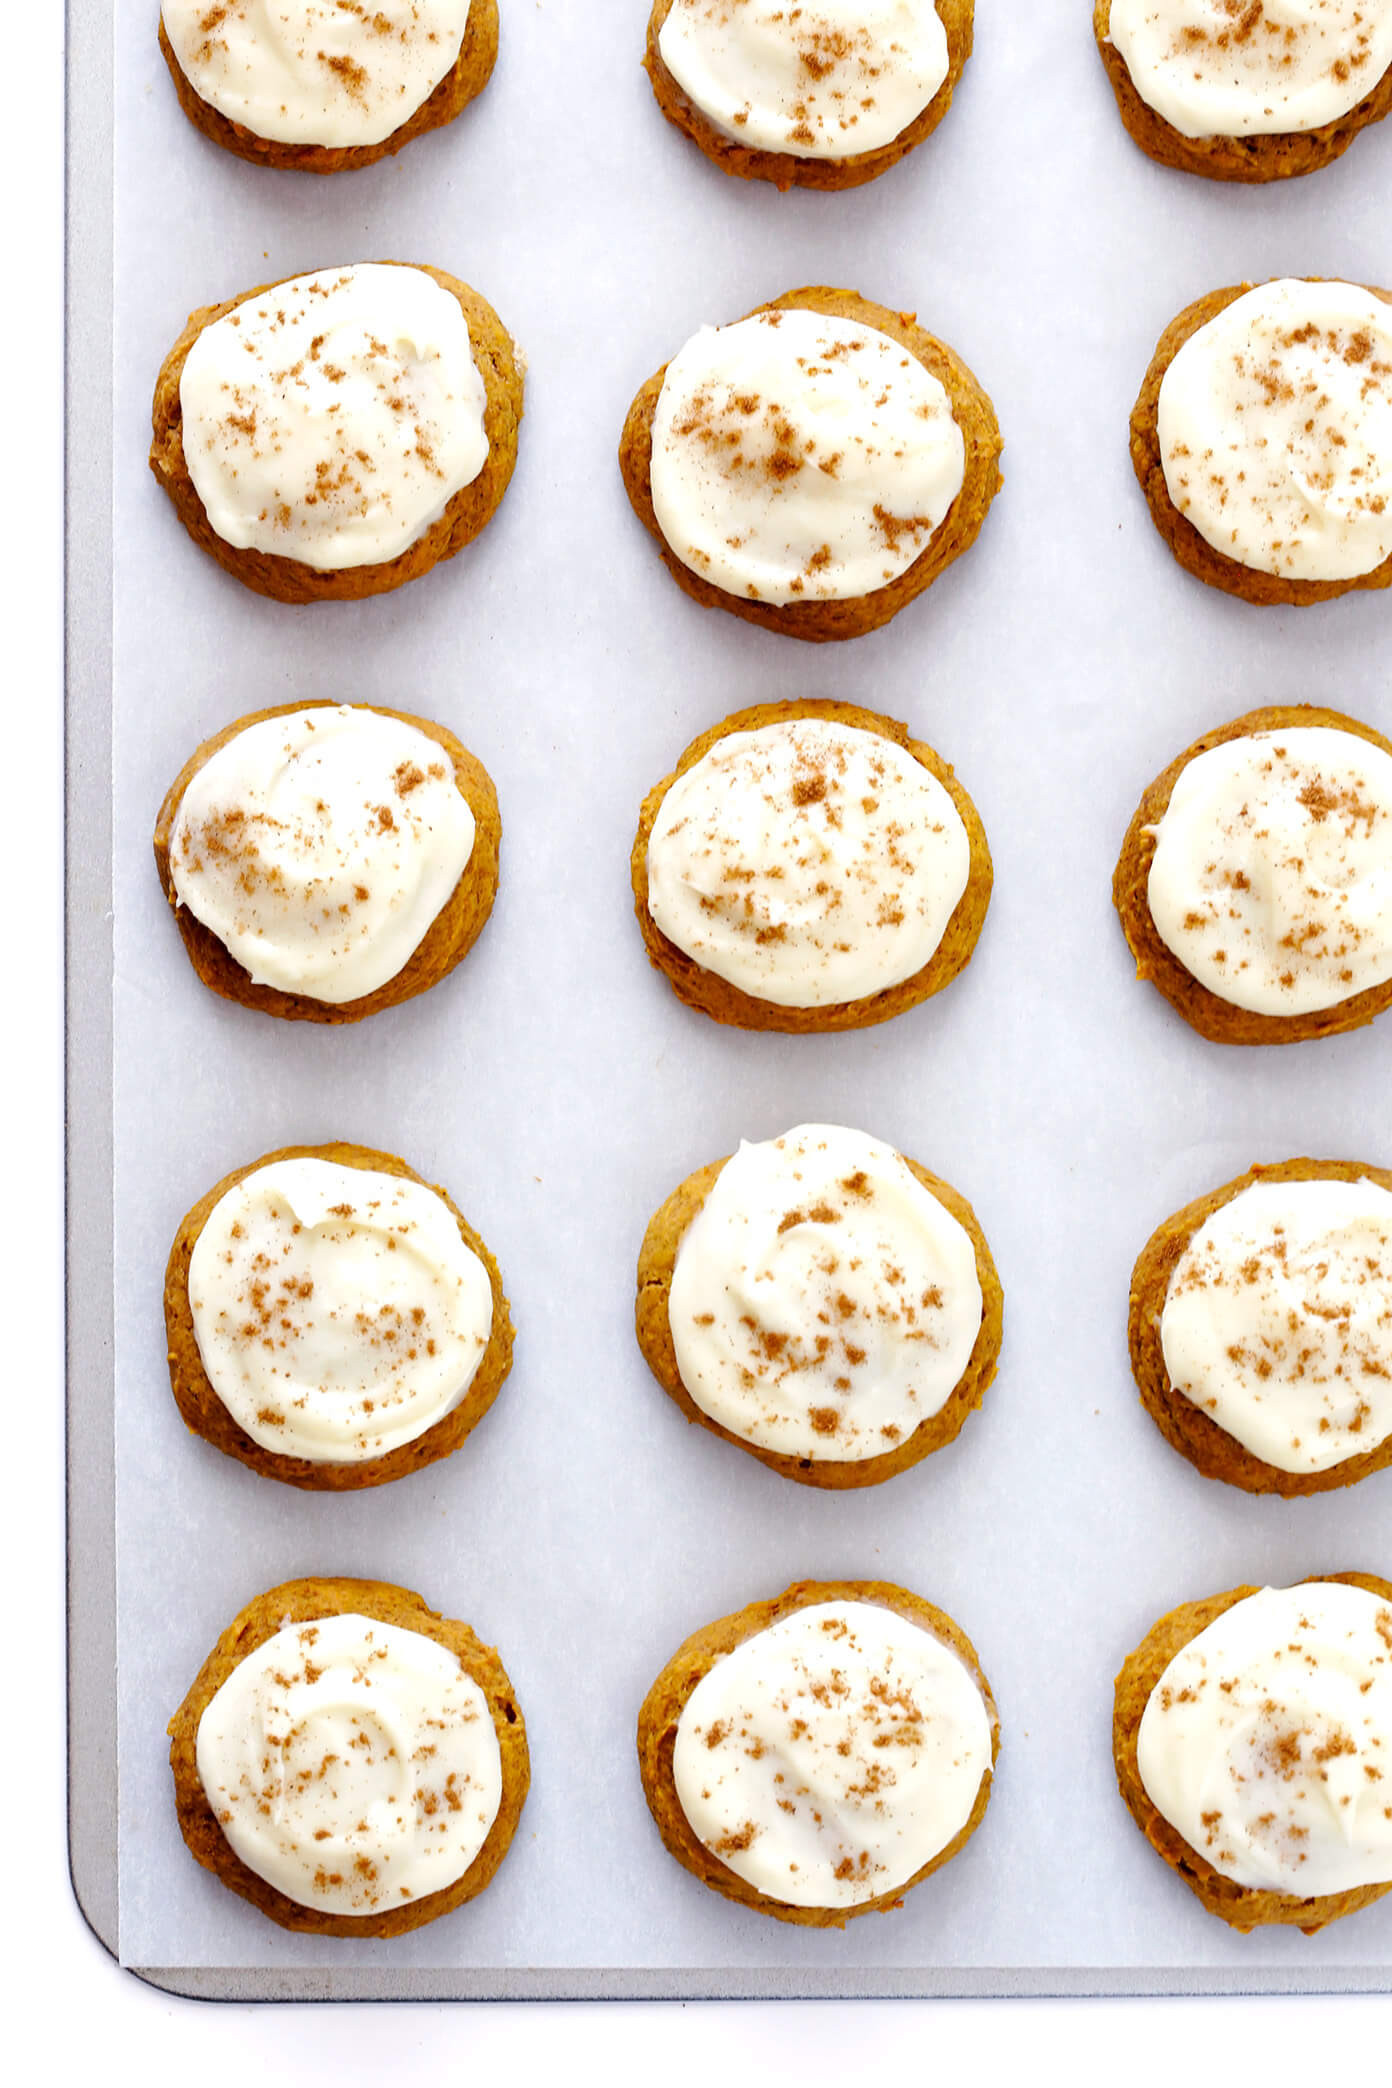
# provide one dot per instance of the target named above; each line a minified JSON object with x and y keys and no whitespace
{"x":823,"y":1304}
{"x":822,"y":80}
{"x":318,"y":847}
{"x":351,"y":1764}
{"x":801,"y":458}
{"x":1244,"y":68}
{"x":1267,"y":1742}
{"x":830,"y":1757}
{"x":807,"y":862}
{"x":1274,"y":423}
{"x":339,"y":1312}
{"x":1271,"y":878}
{"x":1277,"y":1322}
{"x":331,"y":419}
{"x":336,"y":73}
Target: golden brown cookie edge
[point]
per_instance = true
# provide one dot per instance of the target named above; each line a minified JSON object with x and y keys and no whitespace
{"x":466,"y":514}
{"x":667,"y":1697}
{"x":1242,"y":1907}
{"x":1215,"y":1019}
{"x":204,"y":1414}
{"x":1277,"y":156}
{"x":787,"y":170}
{"x":1192,"y":551}
{"x":652,"y":1326}
{"x":467,"y":78}
{"x":446,"y":942}
{"x":709,"y":994}
{"x":305,"y":1600}
{"x":1212,"y":1451}
{"x":830,"y":622}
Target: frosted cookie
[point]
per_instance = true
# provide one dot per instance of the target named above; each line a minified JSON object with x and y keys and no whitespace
{"x":1247,"y":90}
{"x":1252,"y":1734}
{"x":325,"y":85}
{"x":338,"y":434}
{"x":1262,"y":439}
{"x":1254,"y":885}
{"x":809,"y":867}
{"x":1261,"y":1327}
{"x":812,"y":467}
{"x":332,"y":1320}
{"x":825,"y":95}
{"x":821,"y":1302}
{"x":348,"y":1761}
{"x":817,"y":1756}
{"x":325,"y":861}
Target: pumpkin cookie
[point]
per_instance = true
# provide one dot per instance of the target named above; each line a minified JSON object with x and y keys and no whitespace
{"x":833,"y":1677}
{"x":333,"y":1321}
{"x":813,"y":467}
{"x":1260,"y":1327}
{"x":1243,"y":92}
{"x":1258,"y":1776}
{"x":261,"y":1744}
{"x":1256,"y":490}
{"x":320,"y":86}
{"x":823,"y":96}
{"x":809,"y":867}
{"x":1254,"y":885}
{"x":325,"y":861}
{"x":372,"y":467}
{"x":822,"y":1303}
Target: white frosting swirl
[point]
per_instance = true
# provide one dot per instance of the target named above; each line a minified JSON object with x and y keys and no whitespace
{"x":337,"y":73}
{"x":1277,"y":1322}
{"x":1275,"y":430}
{"x":827,"y":1759}
{"x":1243,"y":68}
{"x":1271,"y":879}
{"x":320,"y":846}
{"x":332,"y":419}
{"x":823,"y":1302}
{"x":807,"y":862}
{"x":339,"y":1312}
{"x":352,"y":1764}
{"x":823,"y":80}
{"x":797,"y":458}
{"x":1267,"y":1742}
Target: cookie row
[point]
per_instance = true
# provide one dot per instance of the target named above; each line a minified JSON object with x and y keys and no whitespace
{"x":811,"y":468}
{"x":816,"y":1299}
{"x":335,"y":1322}
{"x":825,"y":95}
{"x":807,"y":866}
{"x":355,"y":1765}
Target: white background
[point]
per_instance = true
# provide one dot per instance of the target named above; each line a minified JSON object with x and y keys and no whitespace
{"x":62,"y":1978}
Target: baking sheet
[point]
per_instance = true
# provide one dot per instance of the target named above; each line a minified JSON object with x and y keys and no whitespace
{"x":559,"y":1091}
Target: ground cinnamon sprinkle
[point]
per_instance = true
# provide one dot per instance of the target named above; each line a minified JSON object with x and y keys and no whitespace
{"x":735,"y":1843}
{"x":208,"y":25}
{"x":1282,"y":38}
{"x":352,"y":76}
{"x":838,"y":69}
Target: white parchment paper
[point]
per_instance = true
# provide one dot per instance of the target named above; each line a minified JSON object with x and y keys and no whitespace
{"x":557,"y":1088}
